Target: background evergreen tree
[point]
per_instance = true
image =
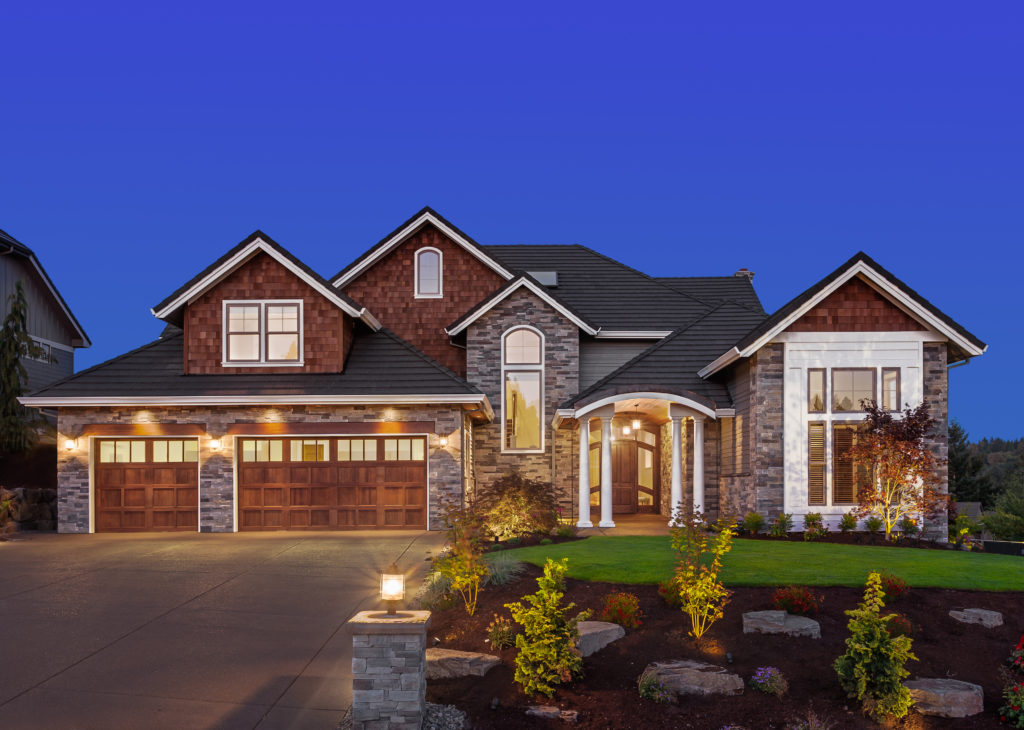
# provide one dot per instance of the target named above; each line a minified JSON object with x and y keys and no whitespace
{"x":968,"y":481}
{"x":16,"y":422}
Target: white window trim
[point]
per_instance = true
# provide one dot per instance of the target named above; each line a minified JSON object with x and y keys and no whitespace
{"x":440,"y":273}
{"x":262,"y":362}
{"x":521,"y":367}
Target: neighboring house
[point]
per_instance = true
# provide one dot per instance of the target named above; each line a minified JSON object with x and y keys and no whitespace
{"x":432,"y":365}
{"x":50,"y":321}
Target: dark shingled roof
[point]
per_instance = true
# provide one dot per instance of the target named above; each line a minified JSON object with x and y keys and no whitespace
{"x":604,"y":291}
{"x":672,"y":364}
{"x":379,"y":363}
{"x":794,"y":304}
{"x":513,"y":284}
{"x":717,"y":289}
{"x":234,"y":250}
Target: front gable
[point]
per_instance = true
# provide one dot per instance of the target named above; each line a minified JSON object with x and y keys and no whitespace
{"x":856,"y":307}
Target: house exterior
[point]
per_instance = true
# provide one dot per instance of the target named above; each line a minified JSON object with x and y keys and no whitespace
{"x":50,"y":321}
{"x":431,"y":365}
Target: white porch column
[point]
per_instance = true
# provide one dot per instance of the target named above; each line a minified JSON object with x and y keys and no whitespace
{"x":606,"y":473}
{"x":698,"y":463}
{"x":584,"y":520}
{"x":676,"y":504}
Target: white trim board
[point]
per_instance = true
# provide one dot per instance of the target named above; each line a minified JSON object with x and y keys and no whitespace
{"x":500,"y":297}
{"x":400,"y":236}
{"x":258,"y":400}
{"x":604,"y":334}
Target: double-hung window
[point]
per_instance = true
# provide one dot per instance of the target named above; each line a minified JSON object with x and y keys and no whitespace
{"x":263,"y":333}
{"x":522,"y":368}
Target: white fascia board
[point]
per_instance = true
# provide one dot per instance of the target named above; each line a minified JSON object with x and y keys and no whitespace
{"x":403,"y":234}
{"x":204,"y":284}
{"x":720,"y":362}
{"x":259,"y":400}
{"x":536,"y":290}
{"x":60,"y":300}
{"x":633,"y":334}
{"x":725,"y":413}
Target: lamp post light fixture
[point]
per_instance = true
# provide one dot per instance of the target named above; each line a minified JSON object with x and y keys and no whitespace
{"x":392,"y":587}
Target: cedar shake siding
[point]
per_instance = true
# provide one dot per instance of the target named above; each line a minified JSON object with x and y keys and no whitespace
{"x":856,"y":307}
{"x":388,"y":290}
{"x":325,"y":336}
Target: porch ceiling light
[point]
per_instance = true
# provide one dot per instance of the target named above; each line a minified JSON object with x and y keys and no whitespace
{"x":392,"y":587}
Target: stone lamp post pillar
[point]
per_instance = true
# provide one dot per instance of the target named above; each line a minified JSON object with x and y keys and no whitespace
{"x":389,"y":669}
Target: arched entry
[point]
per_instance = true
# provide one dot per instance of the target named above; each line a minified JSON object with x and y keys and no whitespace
{"x":636,"y":475}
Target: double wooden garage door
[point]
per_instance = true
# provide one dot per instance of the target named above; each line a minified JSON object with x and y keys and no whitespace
{"x":332,"y":483}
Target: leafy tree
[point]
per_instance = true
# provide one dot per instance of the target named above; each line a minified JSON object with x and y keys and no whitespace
{"x":903,"y":479}
{"x":16,"y":432}
{"x":1006,"y":522}
{"x":967,"y":480}
{"x":701,"y":592}
{"x":463,"y":565}
{"x":515,"y":506}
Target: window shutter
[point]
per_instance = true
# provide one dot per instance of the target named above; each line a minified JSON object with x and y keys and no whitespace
{"x":843,"y":483}
{"x":816,"y":463}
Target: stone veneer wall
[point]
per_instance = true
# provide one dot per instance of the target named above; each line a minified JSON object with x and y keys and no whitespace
{"x":216,"y":471}
{"x":767,"y":402}
{"x":936,"y":395}
{"x":561,"y":380}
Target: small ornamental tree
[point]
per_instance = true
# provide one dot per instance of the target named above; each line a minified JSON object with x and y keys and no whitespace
{"x":16,"y":433}
{"x":516,"y":506}
{"x":903,"y":467}
{"x":701,"y":592}
{"x":464,"y":564}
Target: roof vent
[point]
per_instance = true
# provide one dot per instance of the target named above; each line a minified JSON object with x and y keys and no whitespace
{"x":745,"y":272}
{"x":546,"y":278}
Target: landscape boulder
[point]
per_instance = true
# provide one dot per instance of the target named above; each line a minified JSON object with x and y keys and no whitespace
{"x":596,"y":635}
{"x":945,"y":697}
{"x":780,"y":622}
{"x":448,"y":663}
{"x":689,"y":677}
{"x":988,"y":619}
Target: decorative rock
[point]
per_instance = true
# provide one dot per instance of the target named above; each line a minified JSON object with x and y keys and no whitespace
{"x":448,"y":663}
{"x":780,"y":622}
{"x":550,"y":712}
{"x":988,"y":619}
{"x":596,"y":635}
{"x":945,"y":697}
{"x":688,"y":677}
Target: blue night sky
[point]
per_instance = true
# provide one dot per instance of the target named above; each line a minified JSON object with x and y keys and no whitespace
{"x":140,"y":141}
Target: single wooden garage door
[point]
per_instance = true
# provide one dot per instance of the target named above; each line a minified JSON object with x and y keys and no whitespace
{"x":335,"y":483}
{"x":146,"y":485}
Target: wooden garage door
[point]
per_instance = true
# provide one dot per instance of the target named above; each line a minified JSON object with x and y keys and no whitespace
{"x":332,"y":483}
{"x":146,"y":485}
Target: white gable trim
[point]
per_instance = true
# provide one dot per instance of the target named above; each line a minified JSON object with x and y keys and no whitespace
{"x":258,"y":245}
{"x":497,"y":299}
{"x":893,"y":292}
{"x":60,"y":301}
{"x":395,"y":240}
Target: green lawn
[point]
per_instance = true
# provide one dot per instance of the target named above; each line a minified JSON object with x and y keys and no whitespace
{"x":762,"y":562}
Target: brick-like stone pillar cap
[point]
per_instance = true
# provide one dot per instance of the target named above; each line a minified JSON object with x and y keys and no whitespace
{"x":381,"y":622}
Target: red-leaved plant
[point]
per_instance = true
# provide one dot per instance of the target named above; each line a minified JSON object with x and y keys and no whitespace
{"x":622,"y":609}
{"x":894,"y":587}
{"x":796,"y":600}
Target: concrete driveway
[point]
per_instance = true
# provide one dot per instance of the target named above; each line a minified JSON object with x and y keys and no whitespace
{"x":188,"y":630}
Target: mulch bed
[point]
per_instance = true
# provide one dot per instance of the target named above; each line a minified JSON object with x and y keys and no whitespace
{"x":606,"y":696}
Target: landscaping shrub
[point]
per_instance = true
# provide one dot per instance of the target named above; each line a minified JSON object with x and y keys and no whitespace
{"x":893,"y":586}
{"x":872,"y":668}
{"x":810,"y":721}
{"x":503,"y":568}
{"x":501,"y":632}
{"x":908,"y":526}
{"x":547,"y":647}
{"x":464,"y":564}
{"x":797,"y":600}
{"x":515,"y":506}
{"x":1006,"y":522}
{"x":565,"y":531}
{"x":848,"y":522}
{"x":514,"y":542}
{"x":873,"y":524}
{"x":435,"y":594}
{"x":753,"y":522}
{"x":781,"y":525}
{"x":962,"y":529}
{"x":651,"y":688}
{"x":1012,"y":713}
{"x":814,"y":526}
{"x":1016,"y":658}
{"x":899,"y":625}
{"x":770,"y":680}
{"x":670,"y":591}
{"x":622,"y":609}
{"x":703,"y":596}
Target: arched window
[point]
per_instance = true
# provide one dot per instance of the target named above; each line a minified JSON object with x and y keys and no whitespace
{"x":428,"y":273}
{"x":522,"y":398}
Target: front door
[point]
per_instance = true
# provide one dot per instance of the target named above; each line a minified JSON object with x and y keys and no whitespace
{"x":623,"y":477}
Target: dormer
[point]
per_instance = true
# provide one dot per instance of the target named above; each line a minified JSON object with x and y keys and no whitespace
{"x":259,"y":309}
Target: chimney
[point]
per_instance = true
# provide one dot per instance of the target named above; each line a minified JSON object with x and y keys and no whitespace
{"x":745,"y":272}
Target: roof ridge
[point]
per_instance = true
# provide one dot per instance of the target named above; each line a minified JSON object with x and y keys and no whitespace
{"x":429,"y":360}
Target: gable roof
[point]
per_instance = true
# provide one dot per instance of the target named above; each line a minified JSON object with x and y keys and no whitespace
{"x":605,"y":292}
{"x":381,"y":368}
{"x":524,"y":281}
{"x":397,"y":236}
{"x":15,"y":246}
{"x":170,"y":309}
{"x":672,"y":364}
{"x":871,"y":271}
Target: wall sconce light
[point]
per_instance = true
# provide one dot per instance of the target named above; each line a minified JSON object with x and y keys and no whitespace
{"x":70,"y":444}
{"x":444,"y":442}
{"x":392,"y":587}
{"x":215,"y":445}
